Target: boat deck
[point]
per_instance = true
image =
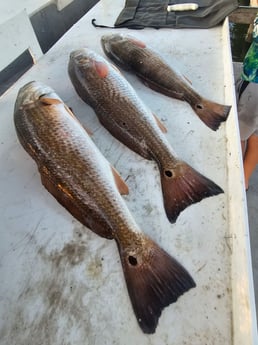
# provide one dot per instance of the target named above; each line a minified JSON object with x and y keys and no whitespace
{"x":63,"y":284}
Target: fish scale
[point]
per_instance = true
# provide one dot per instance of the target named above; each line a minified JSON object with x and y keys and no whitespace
{"x":71,"y":155}
{"x":133,"y":55}
{"x":144,"y":125}
{"x":129,"y":120}
{"x":74,"y":171}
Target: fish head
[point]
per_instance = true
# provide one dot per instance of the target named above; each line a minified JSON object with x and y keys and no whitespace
{"x":107,"y":41}
{"x":34,"y":91}
{"x":121,"y":48}
{"x":87,"y":64}
{"x":88,"y":72}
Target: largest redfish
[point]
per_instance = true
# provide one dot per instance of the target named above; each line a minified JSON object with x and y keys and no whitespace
{"x":74,"y":171}
{"x":133,"y":55}
{"x":122,"y":112}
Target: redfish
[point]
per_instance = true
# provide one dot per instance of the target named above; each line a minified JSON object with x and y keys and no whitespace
{"x":126,"y":117}
{"x":153,"y":71}
{"x":75,"y":172}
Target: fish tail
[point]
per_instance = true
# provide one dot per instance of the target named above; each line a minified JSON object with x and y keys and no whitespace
{"x":183,"y":186}
{"x":211,"y":113}
{"x":154,"y":280}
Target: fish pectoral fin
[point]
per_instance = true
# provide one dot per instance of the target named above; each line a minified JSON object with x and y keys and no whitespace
{"x":120,"y":183}
{"x":101,"y":68}
{"x":70,"y":111}
{"x":183,"y":186}
{"x":160,"y":124}
{"x":154,"y":280}
{"x":45,"y":100}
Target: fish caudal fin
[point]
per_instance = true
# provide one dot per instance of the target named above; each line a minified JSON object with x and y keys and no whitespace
{"x":212,"y":114}
{"x":183,"y":186}
{"x":154,"y":280}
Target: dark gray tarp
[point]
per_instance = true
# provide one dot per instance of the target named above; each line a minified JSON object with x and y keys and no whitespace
{"x":138,"y":14}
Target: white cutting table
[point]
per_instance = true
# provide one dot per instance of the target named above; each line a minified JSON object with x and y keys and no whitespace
{"x":61,"y":283}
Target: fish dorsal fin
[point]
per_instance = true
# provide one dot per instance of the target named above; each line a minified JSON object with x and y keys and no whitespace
{"x":138,"y":43}
{"x":160,"y":124}
{"x":101,"y":68}
{"x":120,"y":183}
{"x":49,"y":101}
{"x":70,"y":111}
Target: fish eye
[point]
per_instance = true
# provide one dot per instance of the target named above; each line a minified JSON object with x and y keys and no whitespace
{"x":168,"y":173}
{"x":199,"y":106}
{"x":132,"y":260}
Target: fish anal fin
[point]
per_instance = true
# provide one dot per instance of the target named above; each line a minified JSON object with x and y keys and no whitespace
{"x":154,"y":281}
{"x":184,"y":186}
{"x":88,"y":215}
{"x":120,"y":183}
{"x":160,"y":124}
{"x":211,"y":113}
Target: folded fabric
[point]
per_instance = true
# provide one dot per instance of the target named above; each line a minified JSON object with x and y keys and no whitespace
{"x":138,"y":14}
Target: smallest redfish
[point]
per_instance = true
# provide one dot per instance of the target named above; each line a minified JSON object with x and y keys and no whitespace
{"x":133,"y":55}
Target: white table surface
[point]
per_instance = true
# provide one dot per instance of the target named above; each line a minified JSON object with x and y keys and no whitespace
{"x":61,"y":283}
